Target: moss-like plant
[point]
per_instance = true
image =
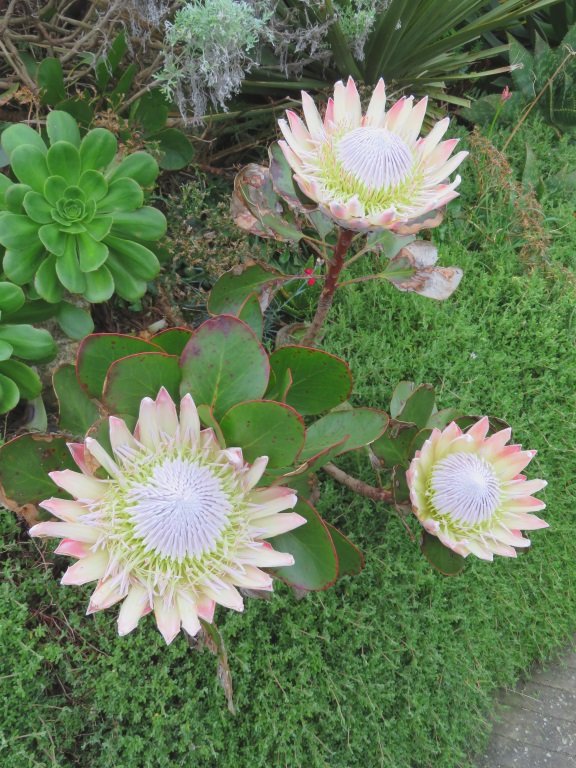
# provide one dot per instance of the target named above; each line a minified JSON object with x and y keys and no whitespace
{"x":75,"y":218}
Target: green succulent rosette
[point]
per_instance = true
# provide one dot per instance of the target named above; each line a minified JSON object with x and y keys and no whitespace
{"x":18,"y":380}
{"x":75,"y":218}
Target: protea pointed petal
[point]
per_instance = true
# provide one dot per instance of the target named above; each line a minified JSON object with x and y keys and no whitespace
{"x":89,"y":568}
{"x":167,"y":618}
{"x":135,"y":605}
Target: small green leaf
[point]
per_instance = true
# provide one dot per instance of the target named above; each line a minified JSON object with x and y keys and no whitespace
{"x":54,"y":189}
{"x":21,"y":266}
{"x":441,"y":558}
{"x":74,"y":321}
{"x":6,"y":350}
{"x":91,"y":253}
{"x":233,"y":288}
{"x":350,"y":559}
{"x":62,"y":127}
{"x":77,"y":412}
{"x":152,"y":111}
{"x":99,"y":285}
{"x":99,"y":227}
{"x":123,"y":195}
{"x":51,"y":82}
{"x":29,"y":166}
{"x":146,"y":223}
{"x":315,"y":561}
{"x":46,"y":281}
{"x":177,"y":151}
{"x":206,"y":416}
{"x":9,"y":394}
{"x":80,"y":109}
{"x":401,"y":394}
{"x":27,"y":380}
{"x":132,"y":378}
{"x":418,"y":442}
{"x":93,"y":184}
{"x":38,"y":208}
{"x":224,"y":364}
{"x":19,"y":134}
{"x":138,"y":259}
{"x":419,"y":406}
{"x":264,"y":428}
{"x":29,"y":343}
{"x":64,"y":160}
{"x":357,"y":427}
{"x":98,"y":149}
{"x":11,"y":298}
{"x":251,"y":314}
{"x":107,"y":65}
{"x":24,"y":466}
{"x":126,"y":285}
{"x":97,"y":353}
{"x":173,"y":340}
{"x":392,"y":448}
{"x":53,"y":238}
{"x":442,"y":418}
{"x":320,"y":381}
{"x":139,"y":166}
{"x":68,"y":269}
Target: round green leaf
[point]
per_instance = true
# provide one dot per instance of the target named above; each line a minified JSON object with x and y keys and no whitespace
{"x":123,"y":195}
{"x":14,"y":198}
{"x":19,"y":134}
{"x":97,"y":353}
{"x":74,"y":321}
{"x":315,"y":561}
{"x":319,"y":381}
{"x":357,"y":427}
{"x":350,"y":559}
{"x":38,"y":208}
{"x":251,"y":314}
{"x":17,"y":232}
{"x":11,"y":298}
{"x":224,"y":364}
{"x":139,"y":166}
{"x":9,"y":394}
{"x":440,"y":557}
{"x":146,"y":223}
{"x":99,"y":227}
{"x":6,"y":350}
{"x":442,"y":418}
{"x":419,"y":406}
{"x":28,"y":342}
{"x":126,"y":285}
{"x":132,"y":378}
{"x":394,"y":445}
{"x":68,"y":268}
{"x":93,"y":184}
{"x":64,"y":160}
{"x":99,"y":285}
{"x":138,"y":259}
{"x":233,"y":288}
{"x":24,"y":466}
{"x":29,"y":165}
{"x":98,"y":149}
{"x":51,"y":82}
{"x":173,"y":340}
{"x":46,"y":281}
{"x":91,"y":253}
{"x":77,"y":412}
{"x":62,"y":127}
{"x":27,"y":381}
{"x":54,"y":238}
{"x":21,"y":266}
{"x":264,"y":428}
{"x":177,"y":151}
{"x":54,"y":189}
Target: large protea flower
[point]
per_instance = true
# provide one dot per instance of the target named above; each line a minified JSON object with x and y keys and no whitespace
{"x":466,"y":490}
{"x":172,"y":523}
{"x":370,"y":172}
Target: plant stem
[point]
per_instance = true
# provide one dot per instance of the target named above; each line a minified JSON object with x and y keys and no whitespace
{"x":327,"y":295}
{"x":359,"y":487}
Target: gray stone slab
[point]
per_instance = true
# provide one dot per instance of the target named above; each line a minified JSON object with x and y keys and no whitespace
{"x":549,"y":733}
{"x":542,"y":699}
{"x":509,"y":753}
{"x":557,"y":676}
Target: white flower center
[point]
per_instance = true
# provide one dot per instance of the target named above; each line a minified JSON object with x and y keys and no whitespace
{"x":465,"y":488}
{"x":181,"y":511}
{"x":375,"y":157}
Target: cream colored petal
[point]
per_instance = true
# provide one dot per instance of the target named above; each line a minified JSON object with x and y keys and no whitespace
{"x":291,"y":140}
{"x":522,"y":522}
{"x":376,"y":108}
{"x":136,"y":604}
{"x":253,"y":578}
{"x":299,"y":131}
{"x":82,"y":487}
{"x":189,"y":421}
{"x":234,"y":456}
{"x":188,"y":614}
{"x":65,"y":509}
{"x":106,"y":594}
{"x":120,"y":435}
{"x":77,"y":451}
{"x":442,"y":152}
{"x":329,"y":119}
{"x":504,"y":534}
{"x":277,"y":524}
{"x":396,"y":119}
{"x":430,"y":142}
{"x":508,"y":466}
{"x":415,"y":120}
{"x":269,"y":501}
{"x":102,"y":457}
{"x":264,"y":557}
{"x":291,"y":157}
{"x":72,"y":548}
{"x":515,"y":489}
{"x":436,"y":175}
{"x":504,"y":550}
{"x":89,"y":568}
{"x":254,"y":474}
{"x":479,"y":430}
{"x":229,"y":597}
{"x":525,"y":504}
{"x":167,"y":618}
{"x":205,"y":607}
{"x":166,"y":413}
{"x":479,"y":549}
{"x":75,"y":531}
{"x":353,"y":105}
{"x":340,"y":103}
{"x":148,"y":429}
{"x":313,"y":119}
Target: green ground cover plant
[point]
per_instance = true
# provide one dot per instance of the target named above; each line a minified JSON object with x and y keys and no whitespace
{"x":396,"y":667}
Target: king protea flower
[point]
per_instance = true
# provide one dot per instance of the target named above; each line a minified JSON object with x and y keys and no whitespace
{"x":465,"y":489}
{"x":370,"y":172}
{"x":173,"y":524}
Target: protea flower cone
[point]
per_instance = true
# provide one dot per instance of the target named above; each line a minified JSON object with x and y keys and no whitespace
{"x":370,"y":171}
{"x":466,"y":490}
{"x":174,"y":523}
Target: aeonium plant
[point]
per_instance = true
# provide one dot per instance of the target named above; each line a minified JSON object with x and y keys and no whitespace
{"x":367,"y":175}
{"x":74,"y":218}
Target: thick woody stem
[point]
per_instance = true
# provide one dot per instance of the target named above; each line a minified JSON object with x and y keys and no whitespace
{"x":363,"y":489}
{"x":330,"y":286}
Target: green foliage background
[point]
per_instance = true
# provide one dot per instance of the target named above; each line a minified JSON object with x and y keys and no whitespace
{"x":395,"y":667}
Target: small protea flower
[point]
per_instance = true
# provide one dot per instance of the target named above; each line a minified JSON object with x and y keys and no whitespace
{"x":370,"y":172}
{"x":175,"y":526}
{"x":465,"y":489}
